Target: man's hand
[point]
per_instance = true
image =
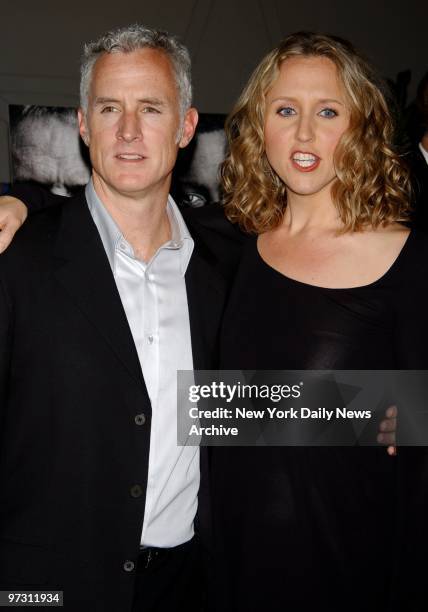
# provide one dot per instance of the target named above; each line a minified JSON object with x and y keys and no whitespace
{"x":388,"y":430}
{"x":12,"y":215}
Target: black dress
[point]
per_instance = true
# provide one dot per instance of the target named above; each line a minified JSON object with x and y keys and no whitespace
{"x":315,"y":528}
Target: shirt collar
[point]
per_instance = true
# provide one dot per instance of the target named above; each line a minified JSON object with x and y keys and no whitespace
{"x":111,"y":235}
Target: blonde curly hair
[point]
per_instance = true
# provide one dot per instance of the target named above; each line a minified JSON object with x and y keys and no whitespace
{"x":372,"y":187}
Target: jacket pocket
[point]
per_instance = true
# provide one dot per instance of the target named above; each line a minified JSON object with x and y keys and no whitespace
{"x":23,"y":564}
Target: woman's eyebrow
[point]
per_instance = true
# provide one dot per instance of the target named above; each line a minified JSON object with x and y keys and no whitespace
{"x":320,"y":101}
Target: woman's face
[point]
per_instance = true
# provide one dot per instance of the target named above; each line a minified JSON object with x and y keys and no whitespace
{"x":306,"y":115}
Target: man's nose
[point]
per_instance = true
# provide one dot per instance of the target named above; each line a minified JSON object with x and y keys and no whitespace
{"x":305,"y":128}
{"x":129,"y":128}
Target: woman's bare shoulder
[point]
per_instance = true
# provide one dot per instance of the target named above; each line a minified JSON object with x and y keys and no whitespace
{"x":387,"y":240}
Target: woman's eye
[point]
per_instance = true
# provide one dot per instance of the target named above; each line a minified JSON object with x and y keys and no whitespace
{"x":329,"y":113}
{"x":286,"y":111}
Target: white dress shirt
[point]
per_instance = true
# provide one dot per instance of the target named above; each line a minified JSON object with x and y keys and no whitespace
{"x":154,"y":298}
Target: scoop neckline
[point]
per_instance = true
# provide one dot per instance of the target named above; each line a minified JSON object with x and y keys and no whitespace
{"x":386,"y":274}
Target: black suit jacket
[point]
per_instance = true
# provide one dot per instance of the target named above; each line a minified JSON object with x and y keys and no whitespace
{"x":71,"y":387}
{"x":419,"y":174}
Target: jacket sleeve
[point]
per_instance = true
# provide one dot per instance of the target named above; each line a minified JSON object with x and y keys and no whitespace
{"x":5,"y":348}
{"x":35,"y":196}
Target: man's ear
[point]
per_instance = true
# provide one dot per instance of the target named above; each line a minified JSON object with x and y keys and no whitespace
{"x":189,"y":126}
{"x":83,"y":129}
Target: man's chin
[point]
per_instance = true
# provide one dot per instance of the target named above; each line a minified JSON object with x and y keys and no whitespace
{"x":129,"y":185}
{"x":128,"y":188}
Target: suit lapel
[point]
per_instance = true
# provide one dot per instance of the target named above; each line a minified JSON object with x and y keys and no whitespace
{"x":82,"y":268}
{"x":206,"y":296}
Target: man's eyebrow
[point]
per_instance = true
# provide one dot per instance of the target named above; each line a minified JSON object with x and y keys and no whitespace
{"x":154,"y":101}
{"x":99,"y":101}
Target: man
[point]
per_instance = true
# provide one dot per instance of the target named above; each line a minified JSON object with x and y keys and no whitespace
{"x":102,"y":299}
{"x":417,"y":157}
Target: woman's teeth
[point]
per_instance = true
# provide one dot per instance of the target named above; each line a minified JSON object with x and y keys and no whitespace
{"x":305,"y":160}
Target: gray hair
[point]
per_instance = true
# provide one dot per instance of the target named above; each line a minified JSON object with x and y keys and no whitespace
{"x":132,"y":38}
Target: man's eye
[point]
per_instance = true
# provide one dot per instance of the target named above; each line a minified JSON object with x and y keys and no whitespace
{"x":109,"y":109}
{"x":328,"y":113}
{"x":286,"y":111}
{"x":150,"y":109}
{"x":194,"y":200}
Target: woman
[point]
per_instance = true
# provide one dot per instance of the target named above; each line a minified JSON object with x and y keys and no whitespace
{"x":328,"y":281}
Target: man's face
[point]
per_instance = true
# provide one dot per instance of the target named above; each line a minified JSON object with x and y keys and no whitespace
{"x":132,"y":125}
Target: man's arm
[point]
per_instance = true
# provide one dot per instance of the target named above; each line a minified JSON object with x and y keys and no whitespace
{"x":23,"y":198}
{"x":13,"y":213}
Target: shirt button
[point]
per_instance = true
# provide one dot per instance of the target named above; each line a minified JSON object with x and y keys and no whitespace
{"x":140,"y":419}
{"x":128,"y":566}
{"x":136,"y":491}
{"x":150,"y":339}
{"x":151,"y":277}
{"x":122,"y":246}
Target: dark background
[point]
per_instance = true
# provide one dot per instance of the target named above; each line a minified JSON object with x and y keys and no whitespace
{"x":40,"y":42}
